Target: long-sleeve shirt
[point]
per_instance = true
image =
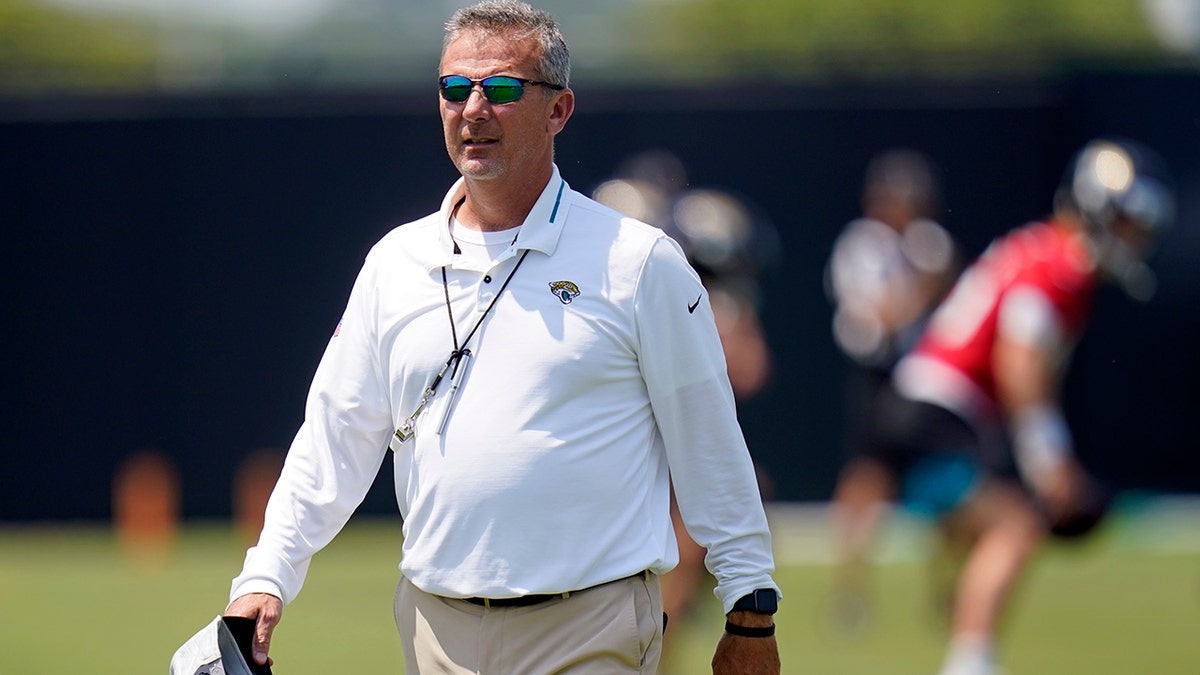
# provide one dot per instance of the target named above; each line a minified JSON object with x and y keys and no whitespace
{"x":597,"y":370}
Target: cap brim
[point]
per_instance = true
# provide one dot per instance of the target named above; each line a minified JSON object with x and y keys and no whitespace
{"x":216,"y":650}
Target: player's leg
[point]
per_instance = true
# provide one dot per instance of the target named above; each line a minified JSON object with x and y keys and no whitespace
{"x":865,"y":490}
{"x":861,"y":500}
{"x":1007,"y":531}
{"x":952,"y":543}
{"x":680,"y":586}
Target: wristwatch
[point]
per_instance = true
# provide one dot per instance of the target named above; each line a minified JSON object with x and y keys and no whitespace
{"x":761,"y":601}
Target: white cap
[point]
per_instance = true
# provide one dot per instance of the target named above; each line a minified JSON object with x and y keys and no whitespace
{"x":215,"y":651}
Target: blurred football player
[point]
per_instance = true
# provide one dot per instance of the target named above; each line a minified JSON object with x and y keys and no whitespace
{"x":887,"y":271}
{"x":976,"y":431}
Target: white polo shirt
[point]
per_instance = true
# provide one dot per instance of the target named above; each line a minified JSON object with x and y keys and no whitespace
{"x":598,"y":366}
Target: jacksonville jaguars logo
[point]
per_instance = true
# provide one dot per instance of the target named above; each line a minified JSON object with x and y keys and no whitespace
{"x":564,"y":290}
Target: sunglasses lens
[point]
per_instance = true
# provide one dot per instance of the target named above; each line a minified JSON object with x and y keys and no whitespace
{"x":455,"y":88}
{"x":502,"y":89}
{"x":496,"y":89}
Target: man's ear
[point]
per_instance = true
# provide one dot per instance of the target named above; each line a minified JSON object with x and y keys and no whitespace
{"x":560,"y":111}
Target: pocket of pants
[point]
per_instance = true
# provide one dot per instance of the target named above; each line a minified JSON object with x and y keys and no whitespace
{"x":648,"y":611}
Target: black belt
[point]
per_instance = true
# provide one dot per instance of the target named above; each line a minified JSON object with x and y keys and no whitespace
{"x":536,"y":599}
{"x":519,"y":601}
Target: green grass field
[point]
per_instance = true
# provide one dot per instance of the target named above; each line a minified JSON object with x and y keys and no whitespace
{"x":1127,"y":602}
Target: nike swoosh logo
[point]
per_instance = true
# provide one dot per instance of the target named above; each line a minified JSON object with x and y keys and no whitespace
{"x":692,"y":307}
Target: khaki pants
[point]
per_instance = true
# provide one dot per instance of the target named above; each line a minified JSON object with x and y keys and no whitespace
{"x":611,"y":628}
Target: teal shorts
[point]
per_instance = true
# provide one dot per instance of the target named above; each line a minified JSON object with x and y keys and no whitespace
{"x":936,"y":485}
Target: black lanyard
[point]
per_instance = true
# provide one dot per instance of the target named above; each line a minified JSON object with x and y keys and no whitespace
{"x":450,"y":313}
{"x":460,"y":356}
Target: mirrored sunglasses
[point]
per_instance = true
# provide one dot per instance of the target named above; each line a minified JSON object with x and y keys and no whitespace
{"x":496,"y":89}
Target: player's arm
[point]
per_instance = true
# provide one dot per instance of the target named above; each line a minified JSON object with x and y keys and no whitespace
{"x":743,"y":340}
{"x":1031,"y":352}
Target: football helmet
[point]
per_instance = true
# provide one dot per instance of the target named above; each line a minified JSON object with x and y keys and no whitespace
{"x":1124,"y":195}
{"x":724,"y":235}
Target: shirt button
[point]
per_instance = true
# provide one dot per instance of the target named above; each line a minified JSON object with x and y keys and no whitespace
{"x":487,"y":279}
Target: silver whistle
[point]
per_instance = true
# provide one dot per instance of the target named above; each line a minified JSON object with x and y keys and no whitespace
{"x":407,"y":429}
{"x":456,"y":378}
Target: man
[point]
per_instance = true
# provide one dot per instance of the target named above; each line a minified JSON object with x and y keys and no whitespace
{"x":887,"y":271}
{"x":977,"y":432}
{"x":537,"y":362}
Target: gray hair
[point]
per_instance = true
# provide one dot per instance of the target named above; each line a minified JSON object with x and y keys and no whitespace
{"x":502,"y":16}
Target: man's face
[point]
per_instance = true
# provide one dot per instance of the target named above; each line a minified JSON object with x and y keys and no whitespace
{"x":491,"y":140}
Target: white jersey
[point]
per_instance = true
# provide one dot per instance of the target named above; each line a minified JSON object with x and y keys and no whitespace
{"x":597,"y":367}
{"x":881,"y":281}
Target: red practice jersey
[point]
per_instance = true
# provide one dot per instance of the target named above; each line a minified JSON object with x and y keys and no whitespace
{"x":955,"y":354}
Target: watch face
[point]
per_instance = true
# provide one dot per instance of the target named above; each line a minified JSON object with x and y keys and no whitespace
{"x":763,"y":601}
{"x":766,"y":601}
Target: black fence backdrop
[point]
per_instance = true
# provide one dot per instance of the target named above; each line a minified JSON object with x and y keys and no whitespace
{"x":175,"y":266}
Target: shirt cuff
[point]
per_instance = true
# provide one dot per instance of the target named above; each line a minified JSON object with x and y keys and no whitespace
{"x":745,"y":587}
{"x":254,"y":586}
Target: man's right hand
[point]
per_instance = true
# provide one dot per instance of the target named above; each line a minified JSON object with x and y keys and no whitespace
{"x":266,"y":610}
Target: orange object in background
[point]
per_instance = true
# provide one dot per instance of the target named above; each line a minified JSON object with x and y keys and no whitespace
{"x":146,"y":504}
{"x":252,"y":485}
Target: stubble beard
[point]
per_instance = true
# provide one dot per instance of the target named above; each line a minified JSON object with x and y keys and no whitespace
{"x":480,"y":169}
{"x":477,"y":163}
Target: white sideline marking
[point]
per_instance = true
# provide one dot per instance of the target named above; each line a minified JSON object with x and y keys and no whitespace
{"x":1164,"y":525}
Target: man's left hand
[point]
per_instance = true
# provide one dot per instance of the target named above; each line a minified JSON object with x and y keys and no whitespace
{"x":747,"y":655}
